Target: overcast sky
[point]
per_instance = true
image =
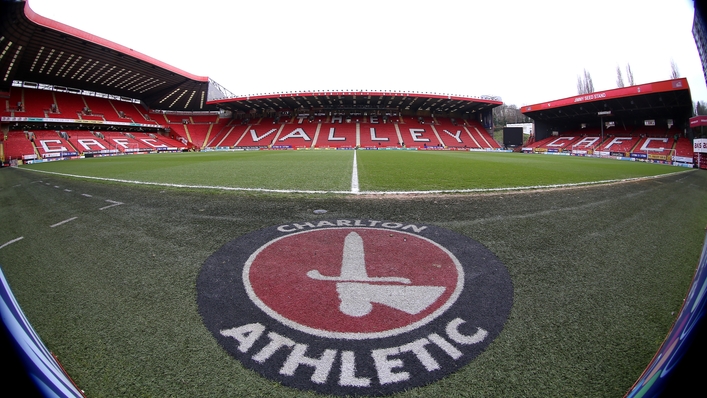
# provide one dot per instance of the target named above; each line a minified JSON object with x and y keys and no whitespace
{"x":523,"y":51}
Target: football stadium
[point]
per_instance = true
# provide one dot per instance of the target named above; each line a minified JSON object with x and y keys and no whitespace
{"x":162,"y":236}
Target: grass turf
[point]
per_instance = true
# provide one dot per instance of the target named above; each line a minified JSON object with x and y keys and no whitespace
{"x":435,"y":170}
{"x":306,"y":170}
{"x":599,"y":274}
{"x":378,"y":170}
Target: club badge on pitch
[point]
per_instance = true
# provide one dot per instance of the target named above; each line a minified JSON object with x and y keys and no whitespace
{"x":354,"y":307}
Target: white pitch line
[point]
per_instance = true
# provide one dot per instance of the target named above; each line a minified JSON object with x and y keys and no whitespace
{"x":436,"y":191}
{"x":86,"y":195}
{"x":354,"y":175}
{"x":11,"y":242}
{"x":114,"y":203}
{"x":63,"y":222}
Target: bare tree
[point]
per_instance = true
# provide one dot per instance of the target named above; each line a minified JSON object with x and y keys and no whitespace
{"x":629,"y":75}
{"x":584,"y":83}
{"x":700,"y":108}
{"x":504,"y":114}
{"x":619,"y":77}
{"x":674,"y":72}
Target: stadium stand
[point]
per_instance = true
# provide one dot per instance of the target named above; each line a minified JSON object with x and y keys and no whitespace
{"x":53,"y":144}
{"x":454,"y":135}
{"x":417,"y":134}
{"x":102,"y":107}
{"x":229,"y":136}
{"x":376,"y":135}
{"x":88,"y":142}
{"x":93,"y":122}
{"x":296,"y":135}
{"x":220,"y":132}
{"x":641,"y":142}
{"x":131,"y":112}
{"x":284,"y":130}
{"x":684,"y":148}
{"x":72,"y":106}
{"x":17,"y":145}
{"x":610,"y":124}
{"x":482,"y":136}
{"x":338,"y":135}
{"x":35,"y":103}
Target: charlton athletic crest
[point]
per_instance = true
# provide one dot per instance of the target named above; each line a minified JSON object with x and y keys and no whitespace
{"x":354,"y":307}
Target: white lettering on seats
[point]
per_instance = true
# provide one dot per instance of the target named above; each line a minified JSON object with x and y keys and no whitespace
{"x":645,"y":146}
{"x":558,"y":143}
{"x":416,"y":134}
{"x":587,"y":141}
{"x":151,"y":142}
{"x":455,"y":136}
{"x":121,"y":141}
{"x":297,"y":133}
{"x":332,"y":130}
{"x":87,"y":142}
{"x":45,"y":146}
{"x":255,"y":137}
{"x":374,"y":137}
{"x":617,"y":140}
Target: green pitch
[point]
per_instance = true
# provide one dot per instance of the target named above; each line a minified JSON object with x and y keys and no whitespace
{"x":378,"y":170}
{"x":437,"y":170}
{"x":599,"y":273}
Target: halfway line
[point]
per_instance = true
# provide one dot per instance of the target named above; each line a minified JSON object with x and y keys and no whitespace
{"x":354,"y":175}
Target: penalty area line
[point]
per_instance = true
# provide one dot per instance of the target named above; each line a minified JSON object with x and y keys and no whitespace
{"x":114,"y":203}
{"x":63,"y":222}
{"x":11,"y":242}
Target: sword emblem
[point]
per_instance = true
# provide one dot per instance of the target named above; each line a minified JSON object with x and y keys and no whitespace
{"x":358,"y":291}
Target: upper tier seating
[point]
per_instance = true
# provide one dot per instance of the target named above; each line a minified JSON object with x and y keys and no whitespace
{"x":72,"y":106}
{"x":35,"y":103}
